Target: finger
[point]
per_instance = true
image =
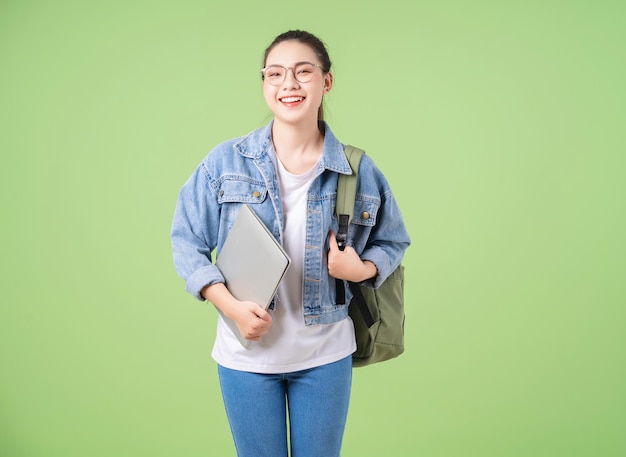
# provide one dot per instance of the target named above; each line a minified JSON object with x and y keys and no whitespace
{"x":267,"y":317}
{"x":332,"y":241}
{"x":263,"y":314}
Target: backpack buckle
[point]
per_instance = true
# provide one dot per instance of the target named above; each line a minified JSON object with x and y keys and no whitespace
{"x":342,"y":234}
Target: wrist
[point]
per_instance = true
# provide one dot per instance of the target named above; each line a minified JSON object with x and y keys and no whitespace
{"x":220,"y":297}
{"x":369,"y":270}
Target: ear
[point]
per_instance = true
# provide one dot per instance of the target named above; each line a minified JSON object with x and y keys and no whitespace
{"x":328,"y":82}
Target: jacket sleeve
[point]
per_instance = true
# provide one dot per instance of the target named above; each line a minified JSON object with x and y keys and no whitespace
{"x":389,"y":238}
{"x":194,"y":233}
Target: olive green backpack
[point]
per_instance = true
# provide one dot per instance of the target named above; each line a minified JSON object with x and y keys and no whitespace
{"x":378,"y":314}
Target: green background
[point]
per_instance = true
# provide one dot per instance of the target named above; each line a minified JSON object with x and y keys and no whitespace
{"x":501,"y":128}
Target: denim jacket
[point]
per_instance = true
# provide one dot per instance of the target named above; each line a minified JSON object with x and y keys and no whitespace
{"x":241,"y":171}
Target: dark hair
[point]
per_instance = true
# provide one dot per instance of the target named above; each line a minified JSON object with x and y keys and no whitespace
{"x":310,"y":40}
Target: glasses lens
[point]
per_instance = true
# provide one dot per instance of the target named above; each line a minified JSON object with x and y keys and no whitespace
{"x":304,"y":72}
{"x":274,"y":74}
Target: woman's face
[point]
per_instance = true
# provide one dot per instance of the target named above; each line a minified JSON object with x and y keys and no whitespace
{"x":292,"y":101}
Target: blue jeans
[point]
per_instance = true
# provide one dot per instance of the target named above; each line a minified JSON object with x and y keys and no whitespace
{"x":316,"y":401}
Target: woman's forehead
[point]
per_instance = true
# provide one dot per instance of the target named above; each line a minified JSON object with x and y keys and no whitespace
{"x":291,"y":52}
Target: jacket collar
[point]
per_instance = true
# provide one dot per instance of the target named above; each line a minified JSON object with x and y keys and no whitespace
{"x":257,"y":143}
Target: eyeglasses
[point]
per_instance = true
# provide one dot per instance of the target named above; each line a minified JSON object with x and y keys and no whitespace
{"x":302,"y":71}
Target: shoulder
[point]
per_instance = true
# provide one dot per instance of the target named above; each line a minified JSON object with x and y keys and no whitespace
{"x":371,"y":176}
{"x":222,"y":150}
{"x":368,"y":167}
{"x":246,"y":146}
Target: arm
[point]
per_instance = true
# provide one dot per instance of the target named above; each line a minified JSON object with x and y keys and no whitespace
{"x":194,"y":235}
{"x":381,"y":245}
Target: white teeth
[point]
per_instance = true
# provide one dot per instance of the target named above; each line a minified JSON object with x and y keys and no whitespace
{"x":291,"y":99}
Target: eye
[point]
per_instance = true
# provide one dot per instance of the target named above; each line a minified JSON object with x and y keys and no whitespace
{"x":274,"y":72}
{"x":304,"y":69}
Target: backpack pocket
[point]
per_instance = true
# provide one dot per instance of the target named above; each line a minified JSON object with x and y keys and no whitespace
{"x":379,"y":336}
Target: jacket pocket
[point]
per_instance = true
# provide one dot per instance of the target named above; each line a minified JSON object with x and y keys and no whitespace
{"x":236,"y":191}
{"x":365,"y":212}
{"x":363,"y":221}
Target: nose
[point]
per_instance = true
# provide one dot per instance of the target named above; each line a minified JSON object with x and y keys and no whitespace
{"x":290,"y":78}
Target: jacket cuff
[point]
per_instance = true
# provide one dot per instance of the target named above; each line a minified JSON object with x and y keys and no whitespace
{"x":379,"y":258}
{"x":202,"y":277}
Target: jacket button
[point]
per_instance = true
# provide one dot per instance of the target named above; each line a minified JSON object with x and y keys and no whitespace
{"x":221,"y":193}
{"x":256,"y":194}
{"x":365,"y":215}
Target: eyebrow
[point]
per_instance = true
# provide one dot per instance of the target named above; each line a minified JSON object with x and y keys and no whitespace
{"x":289,"y":66}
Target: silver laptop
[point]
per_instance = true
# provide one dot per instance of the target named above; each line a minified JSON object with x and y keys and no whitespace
{"x":252,"y":262}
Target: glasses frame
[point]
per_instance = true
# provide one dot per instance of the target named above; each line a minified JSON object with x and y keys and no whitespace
{"x":293,"y":72}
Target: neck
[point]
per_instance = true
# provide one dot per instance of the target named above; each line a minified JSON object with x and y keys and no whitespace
{"x":298,"y":147}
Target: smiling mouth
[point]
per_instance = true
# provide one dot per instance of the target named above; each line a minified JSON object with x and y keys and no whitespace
{"x":291,"y":99}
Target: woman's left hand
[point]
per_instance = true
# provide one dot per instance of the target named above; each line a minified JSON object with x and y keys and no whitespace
{"x":347,"y":264}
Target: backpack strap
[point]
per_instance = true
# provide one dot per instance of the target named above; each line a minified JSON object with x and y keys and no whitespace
{"x":346,"y":193}
{"x":362,"y":304}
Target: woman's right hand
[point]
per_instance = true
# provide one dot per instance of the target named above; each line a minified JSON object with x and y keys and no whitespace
{"x":252,"y":320}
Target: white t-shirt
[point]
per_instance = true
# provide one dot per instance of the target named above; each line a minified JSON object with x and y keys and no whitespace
{"x":290,"y":345}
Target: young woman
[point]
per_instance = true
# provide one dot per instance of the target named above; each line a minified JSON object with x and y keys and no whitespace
{"x":298,"y":368}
